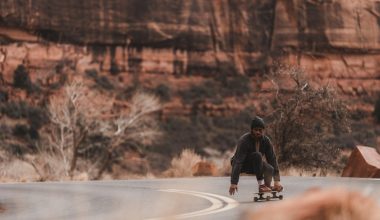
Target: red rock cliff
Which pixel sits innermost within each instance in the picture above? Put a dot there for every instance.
(335, 41)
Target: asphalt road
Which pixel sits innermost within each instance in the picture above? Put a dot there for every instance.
(182, 198)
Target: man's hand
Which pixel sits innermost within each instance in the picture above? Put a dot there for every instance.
(233, 189)
(277, 186)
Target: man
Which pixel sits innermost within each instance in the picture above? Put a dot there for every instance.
(248, 158)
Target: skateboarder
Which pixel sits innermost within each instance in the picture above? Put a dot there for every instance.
(248, 158)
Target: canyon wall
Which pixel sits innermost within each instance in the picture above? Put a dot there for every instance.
(183, 43)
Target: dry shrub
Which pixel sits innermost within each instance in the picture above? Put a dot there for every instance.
(328, 204)
(15, 170)
(79, 113)
(73, 113)
(305, 120)
(42, 166)
(181, 166)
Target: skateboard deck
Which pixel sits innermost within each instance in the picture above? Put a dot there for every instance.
(266, 196)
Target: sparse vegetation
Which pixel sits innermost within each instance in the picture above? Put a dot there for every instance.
(3, 96)
(305, 121)
(17, 110)
(163, 91)
(200, 132)
(114, 70)
(235, 86)
(21, 78)
(21, 130)
(216, 90)
(181, 165)
(207, 90)
(78, 114)
(102, 81)
(376, 112)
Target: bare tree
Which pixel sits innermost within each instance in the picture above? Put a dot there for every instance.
(305, 120)
(135, 124)
(79, 112)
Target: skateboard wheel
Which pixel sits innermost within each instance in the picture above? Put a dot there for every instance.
(280, 197)
(255, 199)
(268, 198)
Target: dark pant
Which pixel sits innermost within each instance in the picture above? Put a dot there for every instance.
(254, 162)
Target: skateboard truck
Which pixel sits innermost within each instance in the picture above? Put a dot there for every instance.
(267, 196)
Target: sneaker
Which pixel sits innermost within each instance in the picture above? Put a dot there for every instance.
(277, 188)
(264, 188)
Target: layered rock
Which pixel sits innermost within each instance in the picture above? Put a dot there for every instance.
(229, 34)
(327, 26)
(363, 162)
(336, 42)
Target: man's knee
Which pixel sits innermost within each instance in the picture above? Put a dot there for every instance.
(257, 156)
(268, 168)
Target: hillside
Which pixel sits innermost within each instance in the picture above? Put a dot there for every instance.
(208, 61)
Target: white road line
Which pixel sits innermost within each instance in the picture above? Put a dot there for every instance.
(217, 203)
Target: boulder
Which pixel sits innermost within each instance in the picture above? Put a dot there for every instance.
(363, 162)
(203, 168)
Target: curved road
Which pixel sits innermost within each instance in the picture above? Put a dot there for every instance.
(184, 198)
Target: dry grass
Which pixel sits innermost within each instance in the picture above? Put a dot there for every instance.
(36, 168)
(17, 171)
(328, 204)
(293, 171)
(181, 166)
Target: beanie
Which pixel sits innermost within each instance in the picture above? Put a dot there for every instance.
(257, 122)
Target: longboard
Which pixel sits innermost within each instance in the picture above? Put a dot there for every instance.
(266, 196)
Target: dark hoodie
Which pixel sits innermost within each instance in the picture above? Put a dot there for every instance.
(246, 145)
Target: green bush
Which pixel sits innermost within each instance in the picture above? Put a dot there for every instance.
(102, 81)
(33, 133)
(163, 91)
(21, 130)
(216, 90)
(5, 131)
(36, 116)
(16, 150)
(3, 96)
(207, 90)
(15, 110)
(21, 78)
(26, 132)
(114, 70)
(376, 112)
(92, 73)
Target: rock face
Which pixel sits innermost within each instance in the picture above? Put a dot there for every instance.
(175, 41)
(363, 162)
(229, 34)
(203, 169)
